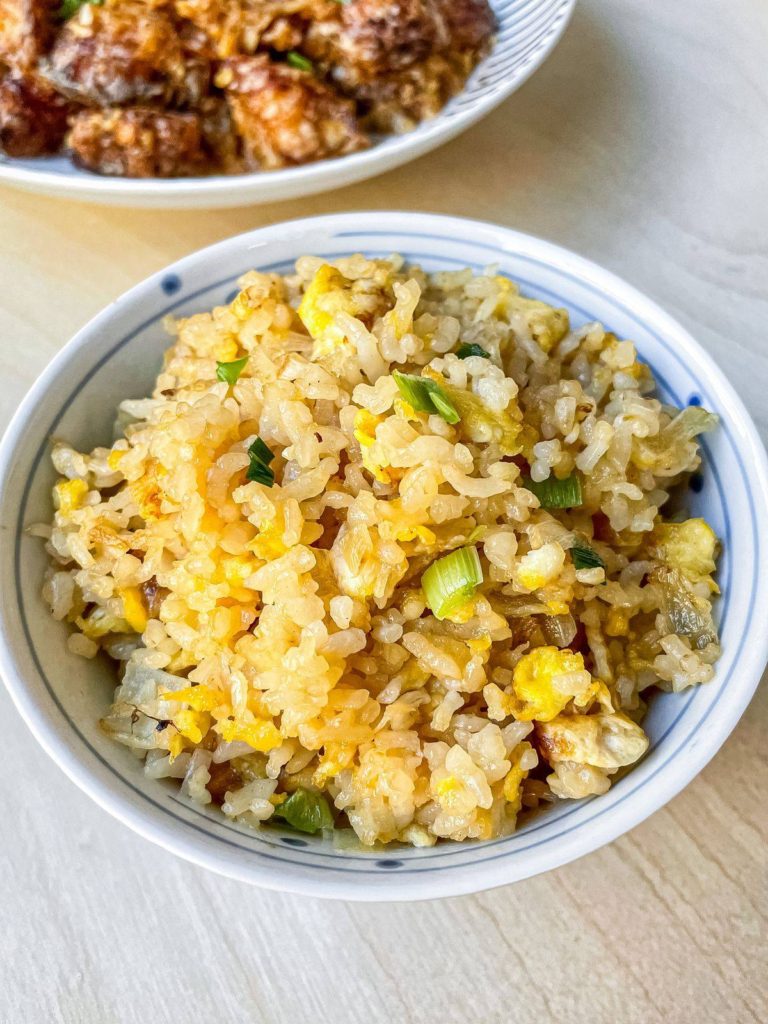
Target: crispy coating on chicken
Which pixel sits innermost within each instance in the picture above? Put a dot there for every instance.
(26, 29)
(398, 101)
(286, 116)
(376, 38)
(467, 24)
(125, 52)
(137, 143)
(240, 27)
(33, 116)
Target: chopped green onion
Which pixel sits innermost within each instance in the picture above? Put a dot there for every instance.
(306, 811)
(259, 470)
(465, 351)
(69, 8)
(477, 534)
(229, 373)
(299, 61)
(425, 395)
(452, 580)
(585, 557)
(554, 493)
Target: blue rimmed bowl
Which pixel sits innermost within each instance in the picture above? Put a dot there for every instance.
(118, 354)
(528, 31)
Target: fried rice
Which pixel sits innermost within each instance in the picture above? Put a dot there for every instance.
(385, 551)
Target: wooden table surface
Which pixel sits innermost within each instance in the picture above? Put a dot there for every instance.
(642, 143)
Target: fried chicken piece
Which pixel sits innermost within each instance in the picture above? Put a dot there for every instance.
(239, 27)
(397, 102)
(401, 60)
(285, 116)
(137, 143)
(376, 38)
(33, 117)
(26, 29)
(125, 52)
(467, 24)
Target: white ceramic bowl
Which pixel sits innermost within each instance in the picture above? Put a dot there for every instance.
(118, 354)
(528, 31)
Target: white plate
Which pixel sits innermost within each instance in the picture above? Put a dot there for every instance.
(528, 31)
(118, 354)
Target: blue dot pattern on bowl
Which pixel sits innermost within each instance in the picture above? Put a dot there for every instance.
(389, 864)
(290, 841)
(696, 483)
(694, 400)
(170, 284)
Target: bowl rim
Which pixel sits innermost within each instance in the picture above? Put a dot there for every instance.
(46, 727)
(305, 179)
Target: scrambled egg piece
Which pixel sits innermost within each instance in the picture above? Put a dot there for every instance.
(175, 745)
(689, 546)
(403, 525)
(404, 410)
(335, 758)
(237, 568)
(365, 427)
(558, 607)
(192, 725)
(616, 622)
(268, 544)
(200, 698)
(540, 567)
(545, 680)
(261, 734)
(115, 457)
(365, 424)
(134, 611)
(506, 288)
(478, 422)
(461, 614)
(547, 325)
(70, 495)
(327, 294)
(603, 741)
(513, 780)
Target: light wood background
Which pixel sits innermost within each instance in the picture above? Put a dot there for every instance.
(642, 143)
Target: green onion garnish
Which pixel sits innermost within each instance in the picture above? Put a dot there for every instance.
(425, 395)
(452, 580)
(306, 811)
(69, 8)
(585, 557)
(554, 493)
(229, 373)
(477, 534)
(299, 61)
(259, 470)
(465, 351)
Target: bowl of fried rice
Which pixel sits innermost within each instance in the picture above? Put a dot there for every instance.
(382, 556)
